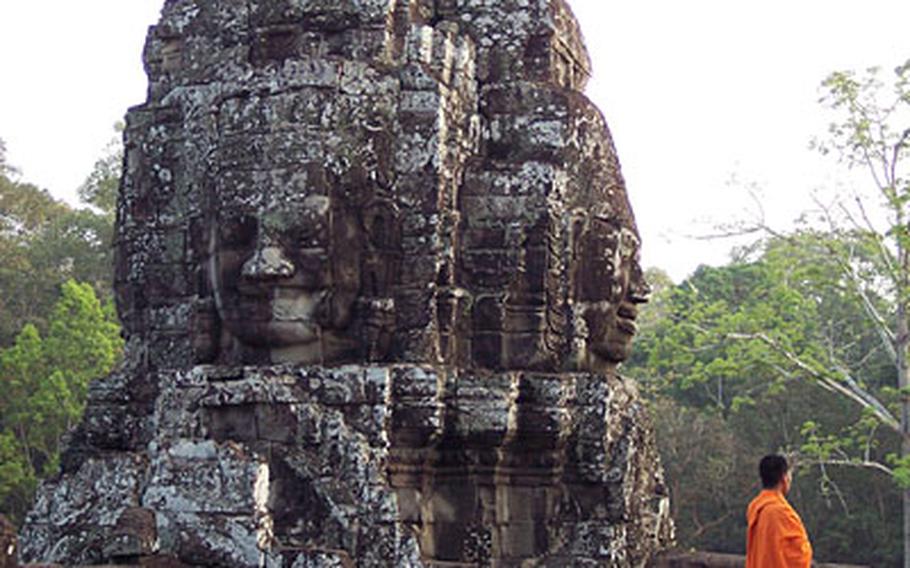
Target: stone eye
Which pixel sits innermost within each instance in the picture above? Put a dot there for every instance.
(309, 233)
(275, 44)
(238, 231)
(306, 238)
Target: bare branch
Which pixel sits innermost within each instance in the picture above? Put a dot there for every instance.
(850, 217)
(826, 479)
(867, 357)
(732, 230)
(886, 335)
(867, 452)
(866, 464)
(847, 386)
(884, 253)
(727, 233)
(895, 156)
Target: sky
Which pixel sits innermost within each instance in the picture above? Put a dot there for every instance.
(704, 98)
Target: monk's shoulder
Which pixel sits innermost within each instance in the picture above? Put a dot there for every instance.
(782, 513)
(777, 510)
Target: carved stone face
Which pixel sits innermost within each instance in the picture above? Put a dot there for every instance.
(610, 286)
(286, 276)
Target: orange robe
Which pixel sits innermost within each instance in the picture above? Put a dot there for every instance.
(776, 536)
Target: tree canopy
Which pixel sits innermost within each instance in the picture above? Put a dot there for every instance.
(720, 366)
(58, 331)
(43, 243)
(44, 384)
(800, 345)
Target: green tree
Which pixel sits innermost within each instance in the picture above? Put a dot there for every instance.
(853, 256)
(57, 334)
(22, 370)
(872, 132)
(741, 350)
(44, 385)
(17, 479)
(706, 468)
(43, 243)
(83, 342)
(101, 186)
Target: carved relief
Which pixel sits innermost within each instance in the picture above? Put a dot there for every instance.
(376, 267)
(608, 288)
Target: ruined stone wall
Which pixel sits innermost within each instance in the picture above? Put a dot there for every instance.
(376, 267)
(375, 466)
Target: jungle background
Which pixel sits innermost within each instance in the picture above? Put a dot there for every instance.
(797, 345)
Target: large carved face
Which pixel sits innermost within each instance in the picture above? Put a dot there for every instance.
(609, 287)
(285, 267)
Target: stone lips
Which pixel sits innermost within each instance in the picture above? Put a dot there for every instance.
(376, 266)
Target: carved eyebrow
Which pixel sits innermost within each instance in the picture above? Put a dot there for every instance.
(615, 225)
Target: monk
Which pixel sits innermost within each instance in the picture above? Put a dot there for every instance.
(776, 537)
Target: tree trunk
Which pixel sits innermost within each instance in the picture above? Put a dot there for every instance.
(905, 450)
(902, 341)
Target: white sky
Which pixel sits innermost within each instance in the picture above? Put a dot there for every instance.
(695, 92)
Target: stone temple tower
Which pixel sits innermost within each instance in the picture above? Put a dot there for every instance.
(376, 267)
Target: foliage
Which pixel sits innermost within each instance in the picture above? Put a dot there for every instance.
(43, 387)
(734, 363)
(56, 334)
(801, 344)
(43, 243)
(705, 467)
(101, 186)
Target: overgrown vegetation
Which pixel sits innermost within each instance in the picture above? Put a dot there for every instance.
(58, 329)
(800, 345)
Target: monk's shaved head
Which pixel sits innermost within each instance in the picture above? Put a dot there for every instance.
(772, 469)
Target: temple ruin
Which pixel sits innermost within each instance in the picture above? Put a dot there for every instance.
(376, 268)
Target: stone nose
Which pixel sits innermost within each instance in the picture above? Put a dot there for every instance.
(267, 263)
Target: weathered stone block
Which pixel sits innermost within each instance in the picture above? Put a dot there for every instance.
(376, 267)
(73, 517)
(134, 536)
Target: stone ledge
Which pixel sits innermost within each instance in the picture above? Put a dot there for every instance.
(676, 559)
